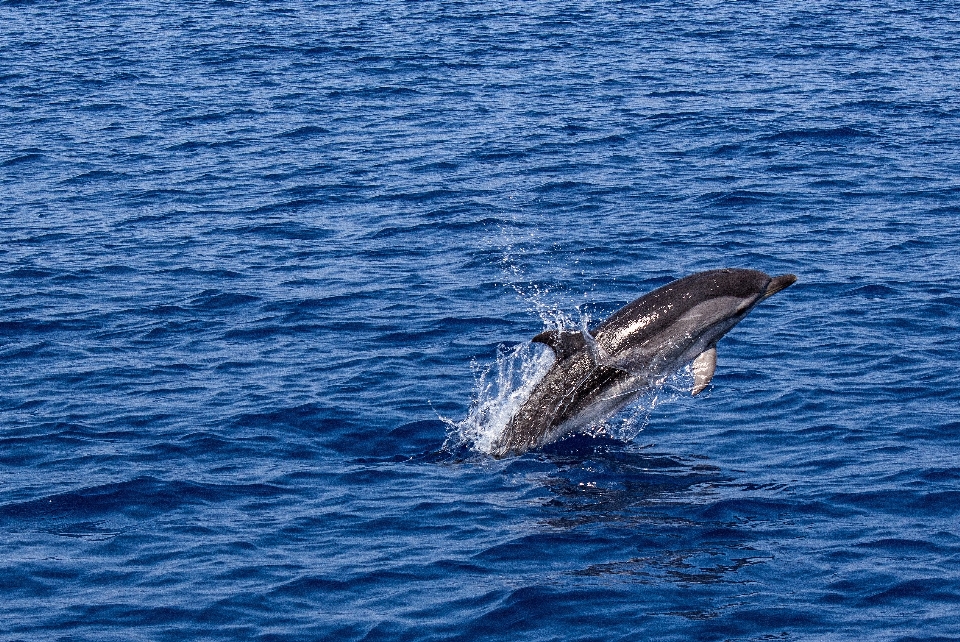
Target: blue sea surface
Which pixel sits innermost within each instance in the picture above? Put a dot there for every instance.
(261, 263)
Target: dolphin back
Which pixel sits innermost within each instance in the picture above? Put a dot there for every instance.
(654, 312)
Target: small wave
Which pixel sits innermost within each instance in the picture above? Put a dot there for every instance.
(828, 135)
(95, 175)
(306, 131)
(873, 291)
(738, 197)
(212, 299)
(28, 157)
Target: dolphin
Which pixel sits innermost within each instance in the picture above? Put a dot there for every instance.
(598, 372)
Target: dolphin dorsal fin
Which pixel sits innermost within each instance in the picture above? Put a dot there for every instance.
(563, 342)
(703, 367)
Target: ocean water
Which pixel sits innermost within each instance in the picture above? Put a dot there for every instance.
(269, 271)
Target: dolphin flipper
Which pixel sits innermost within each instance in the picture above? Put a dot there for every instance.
(563, 342)
(703, 367)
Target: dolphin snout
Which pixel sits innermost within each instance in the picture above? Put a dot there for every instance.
(778, 283)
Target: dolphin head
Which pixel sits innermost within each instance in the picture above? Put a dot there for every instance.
(778, 283)
(751, 286)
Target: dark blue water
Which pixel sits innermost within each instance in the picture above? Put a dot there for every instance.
(262, 263)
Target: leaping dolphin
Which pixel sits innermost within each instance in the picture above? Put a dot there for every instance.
(597, 373)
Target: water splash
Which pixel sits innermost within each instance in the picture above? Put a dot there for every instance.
(500, 390)
(548, 298)
(503, 386)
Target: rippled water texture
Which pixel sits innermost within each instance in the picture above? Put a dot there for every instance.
(257, 258)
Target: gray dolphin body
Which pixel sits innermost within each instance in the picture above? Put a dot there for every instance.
(597, 373)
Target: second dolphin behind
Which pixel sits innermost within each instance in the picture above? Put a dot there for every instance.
(597, 373)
